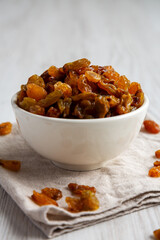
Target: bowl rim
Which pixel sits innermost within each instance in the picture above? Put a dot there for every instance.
(75, 121)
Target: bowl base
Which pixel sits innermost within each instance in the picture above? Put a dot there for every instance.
(79, 167)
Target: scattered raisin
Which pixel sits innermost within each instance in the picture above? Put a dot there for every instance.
(11, 165)
(151, 126)
(87, 201)
(77, 189)
(157, 154)
(157, 163)
(53, 193)
(5, 128)
(154, 172)
(41, 199)
(157, 234)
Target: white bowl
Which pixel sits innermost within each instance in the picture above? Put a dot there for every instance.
(77, 144)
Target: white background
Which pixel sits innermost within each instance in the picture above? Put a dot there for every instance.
(37, 34)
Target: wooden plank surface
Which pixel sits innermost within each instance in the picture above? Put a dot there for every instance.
(37, 34)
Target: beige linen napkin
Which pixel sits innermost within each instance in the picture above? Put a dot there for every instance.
(123, 186)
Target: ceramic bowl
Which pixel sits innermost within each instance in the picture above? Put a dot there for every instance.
(77, 144)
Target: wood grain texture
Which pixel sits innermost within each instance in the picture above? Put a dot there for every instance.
(36, 34)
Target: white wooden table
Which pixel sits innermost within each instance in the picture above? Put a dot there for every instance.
(37, 34)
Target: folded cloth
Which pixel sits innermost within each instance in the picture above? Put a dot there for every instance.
(123, 185)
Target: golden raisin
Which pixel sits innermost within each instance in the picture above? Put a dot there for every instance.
(157, 163)
(109, 88)
(41, 199)
(21, 95)
(110, 73)
(53, 193)
(11, 165)
(36, 109)
(151, 126)
(87, 201)
(51, 98)
(157, 234)
(154, 172)
(56, 73)
(27, 103)
(123, 83)
(134, 87)
(5, 128)
(83, 84)
(92, 76)
(76, 65)
(53, 71)
(36, 92)
(157, 154)
(53, 112)
(64, 87)
(101, 106)
(77, 189)
(36, 80)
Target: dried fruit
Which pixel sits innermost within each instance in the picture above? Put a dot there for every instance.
(53, 112)
(63, 87)
(87, 201)
(76, 65)
(36, 80)
(110, 73)
(84, 96)
(92, 76)
(11, 165)
(27, 103)
(57, 73)
(108, 87)
(151, 126)
(36, 109)
(134, 87)
(77, 189)
(83, 84)
(157, 234)
(51, 98)
(41, 199)
(101, 107)
(60, 92)
(36, 92)
(138, 99)
(64, 106)
(5, 128)
(53, 193)
(125, 103)
(122, 83)
(157, 154)
(157, 163)
(154, 172)
(20, 96)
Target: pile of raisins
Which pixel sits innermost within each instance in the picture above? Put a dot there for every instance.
(84, 200)
(79, 90)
